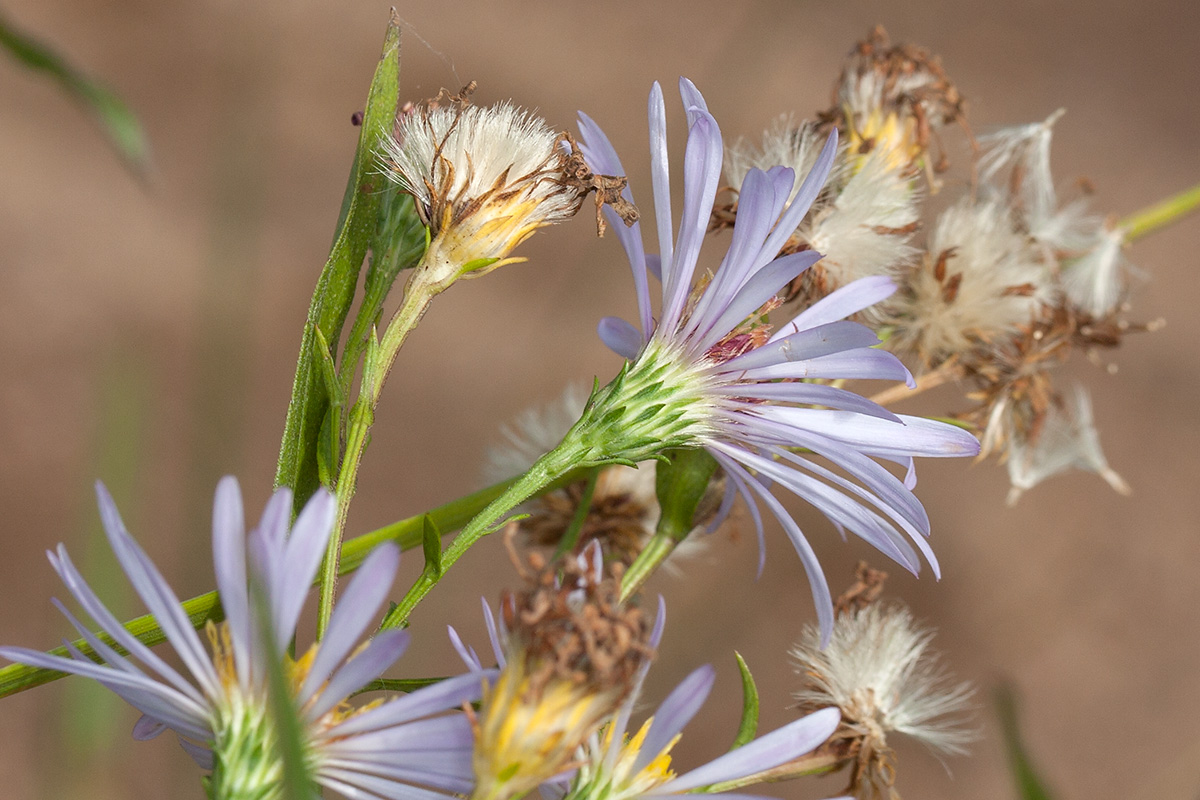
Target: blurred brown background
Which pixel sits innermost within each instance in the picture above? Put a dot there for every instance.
(150, 331)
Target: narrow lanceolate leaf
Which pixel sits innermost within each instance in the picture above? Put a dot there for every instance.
(334, 294)
(749, 726)
(1029, 784)
(118, 123)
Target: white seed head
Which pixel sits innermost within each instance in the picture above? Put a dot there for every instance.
(1021, 154)
(1067, 440)
(880, 670)
(1096, 281)
(981, 279)
(485, 176)
(867, 228)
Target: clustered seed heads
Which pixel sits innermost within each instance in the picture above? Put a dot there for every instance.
(996, 289)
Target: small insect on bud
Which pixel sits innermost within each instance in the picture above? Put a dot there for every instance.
(571, 657)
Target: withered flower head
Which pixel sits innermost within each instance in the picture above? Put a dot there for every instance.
(484, 178)
(879, 669)
(891, 99)
(571, 656)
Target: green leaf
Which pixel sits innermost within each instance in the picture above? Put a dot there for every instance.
(1030, 785)
(118, 123)
(749, 726)
(431, 542)
(331, 301)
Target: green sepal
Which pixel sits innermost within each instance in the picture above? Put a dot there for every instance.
(431, 542)
(749, 725)
(681, 485)
(297, 467)
(119, 124)
(477, 264)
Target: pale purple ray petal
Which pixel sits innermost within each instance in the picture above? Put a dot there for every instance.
(143, 693)
(345, 782)
(814, 181)
(602, 158)
(766, 752)
(660, 176)
(382, 651)
(691, 95)
(675, 713)
(840, 303)
(305, 549)
(157, 595)
(428, 774)
(654, 267)
(864, 363)
(465, 652)
(758, 207)
(777, 747)
(493, 636)
(761, 287)
(893, 495)
(822, 599)
(620, 337)
(898, 511)
(268, 541)
(839, 508)
(734, 474)
(352, 613)
(199, 753)
(147, 728)
(701, 179)
(833, 337)
(106, 653)
(112, 626)
(727, 498)
(408, 742)
(914, 436)
(450, 693)
(813, 394)
(229, 565)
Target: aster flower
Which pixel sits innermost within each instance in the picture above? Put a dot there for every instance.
(484, 179)
(221, 714)
(712, 373)
(569, 654)
(618, 765)
(879, 669)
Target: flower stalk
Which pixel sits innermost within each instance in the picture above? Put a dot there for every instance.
(1161, 214)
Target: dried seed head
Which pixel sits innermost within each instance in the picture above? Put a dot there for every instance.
(484, 178)
(572, 656)
(879, 669)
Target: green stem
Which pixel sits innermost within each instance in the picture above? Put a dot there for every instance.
(417, 296)
(656, 551)
(407, 533)
(1163, 213)
(570, 536)
(546, 472)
